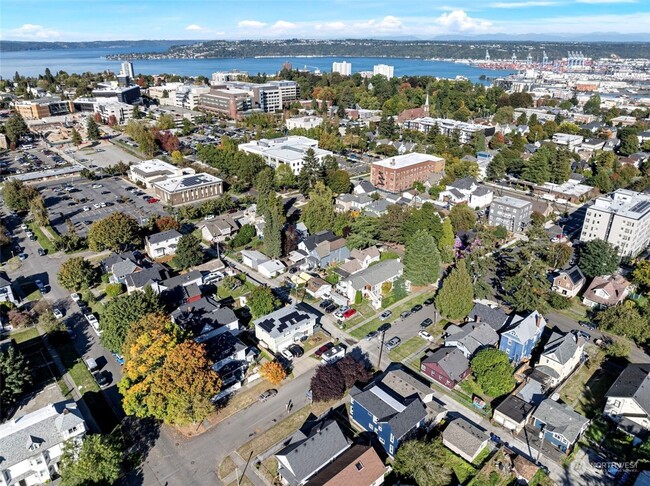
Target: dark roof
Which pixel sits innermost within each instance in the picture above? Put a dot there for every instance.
(146, 276)
(164, 236)
(203, 315)
(481, 191)
(345, 470)
(451, 360)
(312, 241)
(495, 318)
(278, 322)
(464, 183)
(222, 346)
(561, 419)
(574, 273)
(634, 383)
(310, 449)
(366, 185)
(515, 408)
(183, 279)
(4, 280)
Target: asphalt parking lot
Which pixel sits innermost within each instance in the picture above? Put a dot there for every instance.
(105, 154)
(32, 160)
(63, 205)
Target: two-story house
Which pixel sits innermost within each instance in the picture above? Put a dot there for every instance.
(521, 335)
(561, 354)
(6, 292)
(152, 276)
(118, 266)
(568, 282)
(358, 260)
(390, 415)
(447, 365)
(369, 282)
(493, 316)
(471, 338)
(323, 249)
(360, 465)
(607, 291)
(285, 326)
(467, 191)
(628, 400)
(219, 229)
(162, 244)
(312, 448)
(31, 445)
(561, 425)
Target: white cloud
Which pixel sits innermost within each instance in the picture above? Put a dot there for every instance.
(459, 21)
(284, 25)
(390, 23)
(32, 31)
(522, 4)
(331, 26)
(251, 24)
(194, 27)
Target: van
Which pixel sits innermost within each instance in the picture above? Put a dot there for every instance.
(91, 364)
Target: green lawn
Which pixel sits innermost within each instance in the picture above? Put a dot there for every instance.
(76, 367)
(404, 350)
(26, 335)
(243, 289)
(577, 311)
(585, 390)
(464, 470)
(43, 240)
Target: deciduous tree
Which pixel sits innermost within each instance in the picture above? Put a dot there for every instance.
(421, 259)
(339, 182)
(641, 274)
(77, 274)
(261, 301)
(273, 372)
(164, 223)
(188, 252)
(318, 214)
(455, 297)
(39, 211)
(624, 320)
(493, 372)
(423, 462)
(327, 383)
(96, 460)
(463, 218)
(17, 195)
(446, 241)
(115, 232)
(558, 255)
(598, 258)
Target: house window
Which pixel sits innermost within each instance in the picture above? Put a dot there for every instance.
(374, 419)
(617, 403)
(392, 450)
(382, 440)
(359, 466)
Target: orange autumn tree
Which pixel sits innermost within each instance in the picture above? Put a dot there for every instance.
(165, 376)
(273, 371)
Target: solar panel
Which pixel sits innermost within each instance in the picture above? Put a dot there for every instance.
(575, 275)
(267, 325)
(640, 206)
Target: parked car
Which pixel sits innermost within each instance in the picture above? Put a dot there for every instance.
(22, 256)
(97, 186)
(91, 364)
(101, 378)
(75, 297)
(86, 208)
(589, 325)
(393, 343)
(429, 301)
(324, 304)
(416, 308)
(425, 335)
(426, 323)
(405, 314)
(324, 348)
(585, 335)
(287, 354)
(268, 394)
(349, 313)
(296, 350)
(119, 358)
(384, 327)
(152, 200)
(371, 335)
(331, 308)
(57, 313)
(41, 252)
(39, 284)
(385, 315)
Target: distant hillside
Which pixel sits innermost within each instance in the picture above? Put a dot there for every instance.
(14, 46)
(457, 49)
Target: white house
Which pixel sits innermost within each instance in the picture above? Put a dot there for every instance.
(6, 292)
(370, 281)
(560, 357)
(271, 269)
(628, 399)
(289, 150)
(468, 191)
(31, 445)
(305, 122)
(285, 326)
(253, 258)
(162, 244)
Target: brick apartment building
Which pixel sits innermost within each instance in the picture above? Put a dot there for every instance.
(399, 173)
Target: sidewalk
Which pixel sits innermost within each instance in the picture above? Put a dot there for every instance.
(251, 473)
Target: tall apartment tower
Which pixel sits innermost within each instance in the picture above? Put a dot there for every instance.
(621, 218)
(384, 70)
(127, 69)
(343, 68)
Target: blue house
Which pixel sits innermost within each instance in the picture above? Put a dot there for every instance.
(324, 248)
(381, 409)
(560, 424)
(521, 335)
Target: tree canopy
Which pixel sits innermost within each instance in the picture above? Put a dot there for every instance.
(463, 218)
(188, 252)
(598, 258)
(14, 376)
(115, 232)
(261, 301)
(624, 320)
(318, 214)
(77, 274)
(424, 462)
(96, 460)
(493, 372)
(455, 297)
(421, 259)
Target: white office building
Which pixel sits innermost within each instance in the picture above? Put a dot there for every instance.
(306, 122)
(621, 218)
(384, 70)
(343, 68)
(290, 150)
(31, 446)
(448, 127)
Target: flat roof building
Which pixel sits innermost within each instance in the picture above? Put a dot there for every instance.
(43, 107)
(510, 212)
(621, 218)
(187, 188)
(290, 150)
(399, 173)
(149, 171)
(449, 127)
(343, 68)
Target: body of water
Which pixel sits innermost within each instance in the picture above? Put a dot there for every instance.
(33, 63)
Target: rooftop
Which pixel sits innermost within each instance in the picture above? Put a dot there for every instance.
(183, 182)
(285, 319)
(154, 166)
(464, 435)
(560, 419)
(401, 161)
(634, 383)
(511, 201)
(623, 202)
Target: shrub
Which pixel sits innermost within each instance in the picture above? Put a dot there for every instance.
(114, 289)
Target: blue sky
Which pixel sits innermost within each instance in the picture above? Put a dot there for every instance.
(77, 20)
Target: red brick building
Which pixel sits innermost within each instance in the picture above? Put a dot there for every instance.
(397, 174)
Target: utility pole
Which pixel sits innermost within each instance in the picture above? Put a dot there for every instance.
(243, 473)
(381, 349)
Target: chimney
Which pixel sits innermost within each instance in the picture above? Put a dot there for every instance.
(477, 318)
(538, 320)
(66, 411)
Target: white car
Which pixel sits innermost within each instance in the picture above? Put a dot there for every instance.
(29, 234)
(97, 186)
(23, 226)
(86, 208)
(97, 205)
(75, 297)
(57, 313)
(425, 335)
(287, 354)
(102, 205)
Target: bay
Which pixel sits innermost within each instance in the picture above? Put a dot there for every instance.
(33, 63)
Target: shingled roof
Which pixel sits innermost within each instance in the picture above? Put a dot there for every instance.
(633, 383)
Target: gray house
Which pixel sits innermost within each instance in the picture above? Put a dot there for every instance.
(472, 337)
(309, 450)
(464, 438)
(493, 316)
(510, 212)
(560, 424)
(324, 248)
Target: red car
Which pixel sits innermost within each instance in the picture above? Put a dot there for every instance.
(152, 200)
(323, 349)
(349, 313)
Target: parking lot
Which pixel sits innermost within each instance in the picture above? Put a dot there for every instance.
(32, 160)
(102, 155)
(87, 203)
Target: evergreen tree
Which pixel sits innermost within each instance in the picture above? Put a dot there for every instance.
(274, 219)
(318, 214)
(363, 233)
(421, 259)
(14, 376)
(455, 298)
(425, 218)
(598, 258)
(386, 127)
(264, 182)
(92, 129)
(446, 241)
(496, 169)
(188, 252)
(537, 168)
(76, 138)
